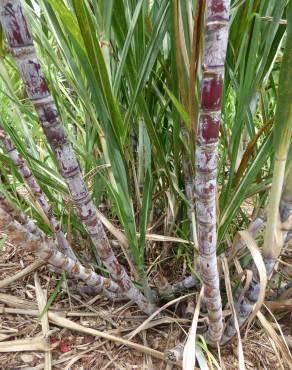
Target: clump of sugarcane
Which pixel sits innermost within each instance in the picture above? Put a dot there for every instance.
(282, 140)
(213, 61)
(176, 353)
(37, 192)
(278, 227)
(279, 209)
(24, 233)
(22, 49)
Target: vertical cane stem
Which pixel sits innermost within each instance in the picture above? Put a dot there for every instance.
(282, 140)
(213, 60)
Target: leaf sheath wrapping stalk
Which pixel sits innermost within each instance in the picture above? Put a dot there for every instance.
(24, 233)
(286, 201)
(37, 192)
(213, 60)
(22, 49)
(282, 141)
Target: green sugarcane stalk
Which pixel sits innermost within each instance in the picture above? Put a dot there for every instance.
(213, 61)
(245, 300)
(280, 203)
(286, 201)
(37, 192)
(282, 139)
(22, 48)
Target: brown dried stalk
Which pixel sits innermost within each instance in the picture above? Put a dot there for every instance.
(22, 49)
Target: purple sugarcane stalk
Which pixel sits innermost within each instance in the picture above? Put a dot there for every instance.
(20, 217)
(213, 60)
(22, 48)
(32, 183)
(23, 232)
(165, 289)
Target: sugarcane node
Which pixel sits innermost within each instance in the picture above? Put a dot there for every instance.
(161, 281)
(89, 217)
(106, 283)
(62, 261)
(5, 219)
(124, 284)
(15, 236)
(20, 53)
(51, 116)
(75, 269)
(55, 135)
(32, 245)
(49, 253)
(116, 268)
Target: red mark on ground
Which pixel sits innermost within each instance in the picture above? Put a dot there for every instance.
(64, 348)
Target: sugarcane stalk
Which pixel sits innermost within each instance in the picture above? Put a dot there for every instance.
(244, 303)
(22, 48)
(20, 217)
(213, 60)
(37, 192)
(280, 203)
(286, 203)
(24, 233)
(166, 290)
(282, 140)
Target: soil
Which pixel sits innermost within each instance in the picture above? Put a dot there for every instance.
(75, 350)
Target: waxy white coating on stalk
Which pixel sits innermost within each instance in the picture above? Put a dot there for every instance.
(18, 216)
(21, 45)
(34, 240)
(206, 157)
(37, 192)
